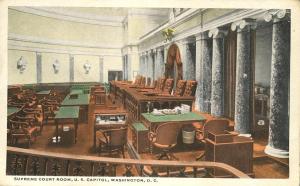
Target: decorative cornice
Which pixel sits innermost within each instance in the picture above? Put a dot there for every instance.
(220, 21)
(115, 21)
(31, 39)
(178, 20)
(59, 51)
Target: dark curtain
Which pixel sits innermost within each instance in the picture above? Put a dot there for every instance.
(173, 58)
(230, 73)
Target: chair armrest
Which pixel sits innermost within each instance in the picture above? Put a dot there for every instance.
(152, 136)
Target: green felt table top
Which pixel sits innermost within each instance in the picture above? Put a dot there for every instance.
(139, 127)
(67, 113)
(83, 99)
(191, 116)
(12, 110)
(44, 92)
(76, 91)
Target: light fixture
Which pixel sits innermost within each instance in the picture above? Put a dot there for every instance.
(87, 67)
(56, 66)
(21, 64)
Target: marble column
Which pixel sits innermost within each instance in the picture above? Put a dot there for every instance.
(150, 65)
(187, 59)
(38, 67)
(101, 69)
(71, 67)
(243, 76)
(217, 89)
(144, 65)
(159, 63)
(278, 143)
(203, 72)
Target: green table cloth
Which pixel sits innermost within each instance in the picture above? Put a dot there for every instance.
(139, 127)
(178, 117)
(82, 99)
(43, 92)
(67, 112)
(12, 110)
(76, 91)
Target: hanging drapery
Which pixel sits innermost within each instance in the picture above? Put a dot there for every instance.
(172, 58)
(230, 72)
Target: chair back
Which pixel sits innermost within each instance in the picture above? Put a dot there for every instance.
(167, 133)
(190, 88)
(143, 81)
(168, 86)
(180, 88)
(118, 137)
(161, 84)
(154, 84)
(148, 81)
(215, 126)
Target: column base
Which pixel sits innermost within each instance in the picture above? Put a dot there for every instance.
(278, 153)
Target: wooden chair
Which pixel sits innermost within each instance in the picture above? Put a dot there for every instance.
(21, 129)
(143, 82)
(190, 88)
(180, 86)
(112, 140)
(148, 82)
(215, 126)
(33, 115)
(168, 87)
(165, 138)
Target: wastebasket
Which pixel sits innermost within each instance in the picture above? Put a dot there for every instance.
(188, 134)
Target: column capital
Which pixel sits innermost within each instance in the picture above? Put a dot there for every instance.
(200, 36)
(244, 23)
(217, 33)
(159, 49)
(276, 15)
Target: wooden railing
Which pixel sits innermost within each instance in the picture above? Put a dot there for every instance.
(33, 162)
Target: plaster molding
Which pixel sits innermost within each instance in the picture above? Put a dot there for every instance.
(59, 51)
(31, 39)
(115, 21)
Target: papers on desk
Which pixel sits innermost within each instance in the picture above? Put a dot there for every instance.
(177, 110)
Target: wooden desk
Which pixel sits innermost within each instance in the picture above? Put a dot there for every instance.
(152, 121)
(109, 120)
(83, 101)
(236, 151)
(65, 114)
(135, 101)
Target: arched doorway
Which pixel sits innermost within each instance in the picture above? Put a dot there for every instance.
(173, 66)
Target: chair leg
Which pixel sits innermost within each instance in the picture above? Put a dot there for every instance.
(200, 156)
(123, 153)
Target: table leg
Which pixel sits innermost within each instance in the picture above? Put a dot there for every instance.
(56, 129)
(76, 126)
(94, 143)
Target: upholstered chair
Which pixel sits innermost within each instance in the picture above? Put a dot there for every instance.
(180, 86)
(190, 88)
